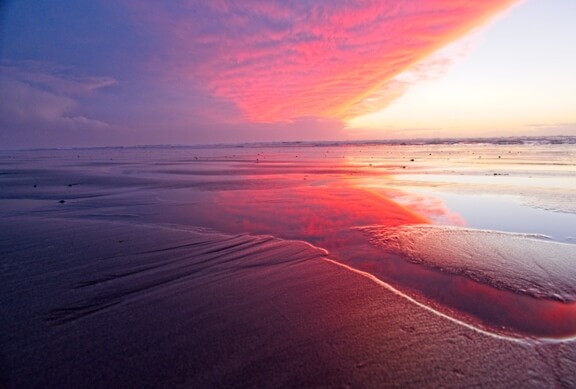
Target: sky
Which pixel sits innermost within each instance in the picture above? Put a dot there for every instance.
(135, 72)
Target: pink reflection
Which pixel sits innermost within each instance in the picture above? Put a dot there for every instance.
(476, 303)
(314, 214)
(326, 215)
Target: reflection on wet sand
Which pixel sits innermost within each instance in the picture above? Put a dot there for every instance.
(110, 268)
(325, 217)
(318, 196)
(479, 304)
(310, 213)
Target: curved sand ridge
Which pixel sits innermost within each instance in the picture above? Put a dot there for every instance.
(149, 306)
(525, 264)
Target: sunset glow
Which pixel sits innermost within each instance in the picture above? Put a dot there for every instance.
(197, 72)
(281, 61)
(287, 193)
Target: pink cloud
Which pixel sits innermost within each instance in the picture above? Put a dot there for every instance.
(282, 60)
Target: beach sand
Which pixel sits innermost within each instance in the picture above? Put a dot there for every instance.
(292, 266)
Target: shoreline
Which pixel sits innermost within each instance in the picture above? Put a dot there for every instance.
(213, 267)
(306, 300)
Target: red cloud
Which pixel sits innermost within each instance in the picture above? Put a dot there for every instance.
(278, 60)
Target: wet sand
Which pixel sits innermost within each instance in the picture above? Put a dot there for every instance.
(243, 267)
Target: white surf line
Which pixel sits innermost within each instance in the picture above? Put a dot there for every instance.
(522, 340)
(323, 256)
(325, 253)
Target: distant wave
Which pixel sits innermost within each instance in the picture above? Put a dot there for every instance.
(523, 140)
(520, 140)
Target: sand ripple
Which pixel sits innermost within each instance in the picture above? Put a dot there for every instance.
(526, 264)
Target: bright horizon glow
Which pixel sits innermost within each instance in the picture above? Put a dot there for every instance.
(505, 85)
